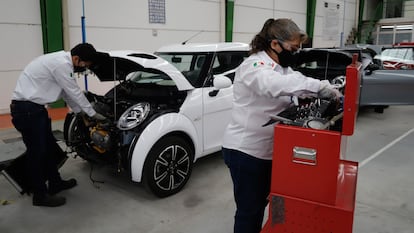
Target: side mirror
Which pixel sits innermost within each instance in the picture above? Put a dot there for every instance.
(220, 82)
(371, 67)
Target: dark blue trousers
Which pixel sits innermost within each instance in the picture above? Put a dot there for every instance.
(33, 122)
(251, 185)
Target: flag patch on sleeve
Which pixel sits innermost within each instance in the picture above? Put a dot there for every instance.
(259, 63)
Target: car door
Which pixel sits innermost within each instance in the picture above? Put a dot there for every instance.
(217, 104)
(387, 87)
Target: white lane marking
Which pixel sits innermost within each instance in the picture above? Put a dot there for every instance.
(376, 154)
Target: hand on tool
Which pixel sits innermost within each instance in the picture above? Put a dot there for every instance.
(99, 117)
(327, 91)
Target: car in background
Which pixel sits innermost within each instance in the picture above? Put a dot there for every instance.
(166, 110)
(398, 57)
(379, 87)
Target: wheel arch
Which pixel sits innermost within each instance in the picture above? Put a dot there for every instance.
(183, 135)
(171, 124)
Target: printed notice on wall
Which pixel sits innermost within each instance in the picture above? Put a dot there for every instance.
(156, 11)
(331, 21)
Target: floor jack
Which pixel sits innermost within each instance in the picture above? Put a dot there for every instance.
(313, 187)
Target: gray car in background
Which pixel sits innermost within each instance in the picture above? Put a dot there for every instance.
(379, 87)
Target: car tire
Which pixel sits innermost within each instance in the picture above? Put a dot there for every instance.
(74, 130)
(380, 109)
(168, 166)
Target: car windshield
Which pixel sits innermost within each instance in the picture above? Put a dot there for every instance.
(150, 77)
(189, 64)
(398, 53)
(397, 58)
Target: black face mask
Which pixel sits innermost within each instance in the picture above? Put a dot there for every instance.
(286, 58)
(79, 69)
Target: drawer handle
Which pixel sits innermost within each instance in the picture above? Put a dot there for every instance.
(304, 155)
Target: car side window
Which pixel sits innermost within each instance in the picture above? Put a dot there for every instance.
(223, 63)
(193, 74)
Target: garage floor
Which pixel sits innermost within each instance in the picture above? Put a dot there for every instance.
(382, 144)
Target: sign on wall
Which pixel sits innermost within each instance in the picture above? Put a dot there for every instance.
(331, 21)
(156, 11)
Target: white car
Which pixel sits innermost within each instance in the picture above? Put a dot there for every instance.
(167, 110)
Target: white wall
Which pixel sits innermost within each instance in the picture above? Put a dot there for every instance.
(347, 20)
(125, 24)
(249, 16)
(111, 25)
(409, 9)
(21, 41)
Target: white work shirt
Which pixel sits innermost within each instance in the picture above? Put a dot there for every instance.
(49, 78)
(262, 88)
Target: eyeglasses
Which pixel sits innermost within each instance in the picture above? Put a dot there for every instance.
(289, 47)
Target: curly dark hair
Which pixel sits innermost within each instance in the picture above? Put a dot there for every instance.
(281, 29)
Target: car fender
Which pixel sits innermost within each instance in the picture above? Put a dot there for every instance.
(161, 126)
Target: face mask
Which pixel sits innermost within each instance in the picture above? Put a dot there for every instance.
(79, 69)
(286, 58)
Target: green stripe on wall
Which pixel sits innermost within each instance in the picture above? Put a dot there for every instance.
(229, 20)
(360, 18)
(52, 31)
(310, 18)
(52, 28)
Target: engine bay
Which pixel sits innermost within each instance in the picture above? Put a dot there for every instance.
(106, 141)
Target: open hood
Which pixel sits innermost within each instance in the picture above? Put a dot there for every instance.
(116, 65)
(322, 63)
(321, 56)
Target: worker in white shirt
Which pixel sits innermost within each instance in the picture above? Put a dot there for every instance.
(45, 80)
(263, 86)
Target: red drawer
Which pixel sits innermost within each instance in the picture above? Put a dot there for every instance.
(305, 163)
(297, 215)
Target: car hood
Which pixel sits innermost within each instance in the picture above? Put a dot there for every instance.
(116, 65)
(322, 55)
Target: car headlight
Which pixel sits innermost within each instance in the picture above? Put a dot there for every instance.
(133, 116)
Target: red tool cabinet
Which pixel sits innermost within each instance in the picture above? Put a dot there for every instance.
(313, 188)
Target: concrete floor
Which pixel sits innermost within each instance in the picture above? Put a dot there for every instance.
(382, 144)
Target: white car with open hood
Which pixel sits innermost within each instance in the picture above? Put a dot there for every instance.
(166, 110)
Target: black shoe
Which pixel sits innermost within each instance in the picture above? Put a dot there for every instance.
(61, 185)
(47, 200)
